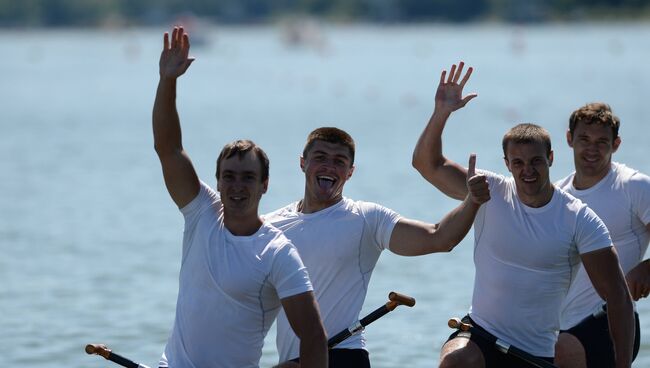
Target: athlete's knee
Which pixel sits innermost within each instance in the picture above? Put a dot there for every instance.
(461, 354)
(459, 359)
(569, 352)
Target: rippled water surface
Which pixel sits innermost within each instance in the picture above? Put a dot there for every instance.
(90, 241)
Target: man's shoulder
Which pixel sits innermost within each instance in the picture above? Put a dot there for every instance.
(273, 237)
(364, 208)
(567, 198)
(281, 213)
(566, 182)
(629, 174)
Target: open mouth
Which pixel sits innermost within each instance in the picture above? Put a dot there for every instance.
(238, 198)
(529, 180)
(325, 182)
(590, 159)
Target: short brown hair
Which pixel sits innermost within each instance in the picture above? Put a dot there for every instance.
(330, 135)
(595, 113)
(527, 133)
(240, 148)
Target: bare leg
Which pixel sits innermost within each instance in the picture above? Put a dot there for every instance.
(461, 352)
(569, 352)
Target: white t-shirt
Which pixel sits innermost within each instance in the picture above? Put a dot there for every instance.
(622, 200)
(229, 289)
(340, 246)
(525, 258)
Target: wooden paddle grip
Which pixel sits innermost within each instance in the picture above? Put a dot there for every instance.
(99, 349)
(399, 299)
(458, 324)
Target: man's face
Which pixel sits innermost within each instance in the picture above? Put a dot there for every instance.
(240, 184)
(327, 166)
(593, 146)
(529, 166)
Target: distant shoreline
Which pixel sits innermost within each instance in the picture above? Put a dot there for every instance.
(613, 22)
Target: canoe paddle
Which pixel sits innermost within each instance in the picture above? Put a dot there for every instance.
(394, 300)
(102, 350)
(500, 345)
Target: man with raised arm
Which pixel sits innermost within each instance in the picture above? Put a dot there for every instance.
(620, 196)
(236, 270)
(529, 240)
(340, 240)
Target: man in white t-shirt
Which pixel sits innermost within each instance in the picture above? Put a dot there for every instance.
(236, 270)
(529, 239)
(621, 197)
(340, 240)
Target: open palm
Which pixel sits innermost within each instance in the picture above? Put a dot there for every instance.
(174, 59)
(449, 95)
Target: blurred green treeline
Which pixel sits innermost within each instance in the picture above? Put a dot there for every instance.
(90, 13)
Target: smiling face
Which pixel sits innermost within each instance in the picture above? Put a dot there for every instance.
(327, 166)
(593, 146)
(529, 164)
(241, 185)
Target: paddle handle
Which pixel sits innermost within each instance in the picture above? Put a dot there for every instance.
(394, 299)
(103, 351)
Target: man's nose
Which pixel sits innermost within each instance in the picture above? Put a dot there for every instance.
(528, 168)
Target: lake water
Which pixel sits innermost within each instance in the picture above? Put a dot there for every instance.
(90, 240)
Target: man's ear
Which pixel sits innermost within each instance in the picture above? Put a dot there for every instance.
(616, 144)
(505, 161)
(569, 138)
(550, 159)
(265, 186)
(350, 173)
(302, 164)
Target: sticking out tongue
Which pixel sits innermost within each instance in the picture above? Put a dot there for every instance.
(325, 183)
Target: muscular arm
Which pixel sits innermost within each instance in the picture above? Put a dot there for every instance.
(428, 159)
(304, 318)
(179, 174)
(414, 238)
(638, 279)
(606, 275)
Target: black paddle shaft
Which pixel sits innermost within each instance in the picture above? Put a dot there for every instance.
(365, 321)
(124, 362)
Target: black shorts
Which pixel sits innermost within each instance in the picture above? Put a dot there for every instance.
(347, 358)
(492, 356)
(593, 333)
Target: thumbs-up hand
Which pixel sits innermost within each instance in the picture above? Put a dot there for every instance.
(477, 184)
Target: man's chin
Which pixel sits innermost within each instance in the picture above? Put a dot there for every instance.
(327, 195)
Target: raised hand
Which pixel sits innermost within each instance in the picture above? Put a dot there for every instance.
(175, 59)
(449, 95)
(638, 281)
(477, 184)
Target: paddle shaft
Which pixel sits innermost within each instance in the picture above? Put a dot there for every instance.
(500, 345)
(357, 327)
(395, 299)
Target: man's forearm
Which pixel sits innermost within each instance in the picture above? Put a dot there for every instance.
(166, 123)
(313, 352)
(455, 225)
(428, 150)
(429, 161)
(620, 314)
